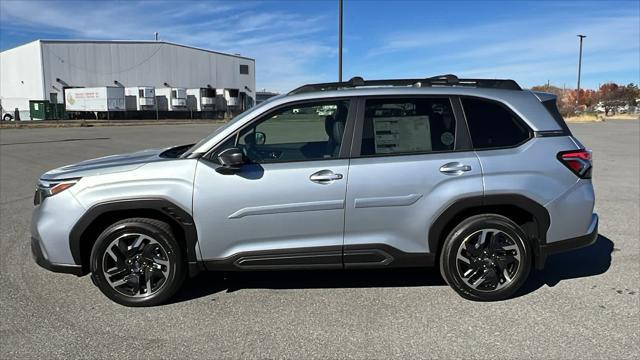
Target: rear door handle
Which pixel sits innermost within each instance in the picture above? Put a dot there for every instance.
(324, 177)
(454, 168)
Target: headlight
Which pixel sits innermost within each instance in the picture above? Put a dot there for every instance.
(50, 188)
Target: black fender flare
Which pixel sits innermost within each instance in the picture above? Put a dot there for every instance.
(540, 215)
(178, 215)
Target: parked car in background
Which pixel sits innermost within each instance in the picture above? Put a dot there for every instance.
(6, 115)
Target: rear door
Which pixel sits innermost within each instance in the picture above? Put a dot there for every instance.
(411, 158)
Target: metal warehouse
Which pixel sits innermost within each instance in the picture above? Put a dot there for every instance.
(45, 69)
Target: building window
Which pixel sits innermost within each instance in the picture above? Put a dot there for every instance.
(244, 69)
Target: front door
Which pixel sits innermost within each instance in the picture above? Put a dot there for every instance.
(284, 208)
(409, 164)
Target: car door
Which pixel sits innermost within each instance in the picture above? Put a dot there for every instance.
(411, 158)
(285, 207)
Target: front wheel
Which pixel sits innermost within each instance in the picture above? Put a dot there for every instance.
(486, 258)
(137, 262)
(7, 117)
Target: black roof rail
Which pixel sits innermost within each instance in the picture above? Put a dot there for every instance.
(440, 80)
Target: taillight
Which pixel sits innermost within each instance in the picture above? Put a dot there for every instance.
(578, 161)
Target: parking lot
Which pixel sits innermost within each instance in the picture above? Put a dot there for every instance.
(585, 304)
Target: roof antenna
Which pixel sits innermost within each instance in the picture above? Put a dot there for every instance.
(156, 33)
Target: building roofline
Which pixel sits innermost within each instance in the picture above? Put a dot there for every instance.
(62, 41)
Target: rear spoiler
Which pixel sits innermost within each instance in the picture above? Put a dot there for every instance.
(550, 103)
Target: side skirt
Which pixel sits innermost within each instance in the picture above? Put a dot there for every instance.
(323, 258)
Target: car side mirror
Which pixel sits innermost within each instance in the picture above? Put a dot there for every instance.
(231, 159)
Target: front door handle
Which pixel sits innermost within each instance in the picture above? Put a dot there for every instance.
(454, 168)
(324, 177)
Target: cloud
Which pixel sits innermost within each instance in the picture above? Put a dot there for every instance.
(530, 51)
(282, 42)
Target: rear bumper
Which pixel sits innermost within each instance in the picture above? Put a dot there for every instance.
(544, 250)
(40, 259)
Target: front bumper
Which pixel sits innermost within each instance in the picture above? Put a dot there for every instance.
(544, 250)
(41, 259)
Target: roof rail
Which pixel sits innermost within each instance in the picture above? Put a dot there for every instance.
(440, 80)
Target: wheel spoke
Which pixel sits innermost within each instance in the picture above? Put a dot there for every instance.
(489, 275)
(116, 271)
(161, 262)
(112, 254)
(510, 247)
(122, 246)
(504, 260)
(463, 259)
(147, 276)
(138, 242)
(472, 249)
(117, 283)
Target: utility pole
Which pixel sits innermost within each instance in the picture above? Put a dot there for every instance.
(579, 68)
(340, 42)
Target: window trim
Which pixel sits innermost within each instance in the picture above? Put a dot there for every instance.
(530, 132)
(240, 69)
(462, 142)
(345, 146)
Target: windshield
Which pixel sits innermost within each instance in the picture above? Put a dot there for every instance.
(229, 123)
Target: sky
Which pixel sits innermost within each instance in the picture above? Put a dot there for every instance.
(295, 42)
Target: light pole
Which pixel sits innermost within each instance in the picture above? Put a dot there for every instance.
(340, 42)
(579, 69)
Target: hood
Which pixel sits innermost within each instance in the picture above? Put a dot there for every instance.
(114, 163)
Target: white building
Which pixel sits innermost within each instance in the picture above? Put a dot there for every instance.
(42, 69)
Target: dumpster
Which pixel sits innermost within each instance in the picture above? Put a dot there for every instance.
(44, 110)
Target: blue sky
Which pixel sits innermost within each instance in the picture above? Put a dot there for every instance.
(295, 42)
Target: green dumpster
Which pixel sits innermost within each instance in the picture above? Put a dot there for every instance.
(44, 110)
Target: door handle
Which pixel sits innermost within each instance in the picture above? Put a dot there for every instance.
(324, 177)
(454, 168)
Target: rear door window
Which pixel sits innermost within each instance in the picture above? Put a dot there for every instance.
(492, 125)
(407, 126)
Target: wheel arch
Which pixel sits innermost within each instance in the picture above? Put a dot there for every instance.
(100, 216)
(529, 214)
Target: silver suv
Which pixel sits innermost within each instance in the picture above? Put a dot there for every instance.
(478, 176)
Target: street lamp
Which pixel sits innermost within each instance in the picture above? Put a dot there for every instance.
(579, 68)
(340, 42)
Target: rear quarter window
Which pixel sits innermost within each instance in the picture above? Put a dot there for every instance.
(552, 108)
(492, 125)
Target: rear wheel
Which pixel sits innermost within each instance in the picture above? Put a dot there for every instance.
(486, 258)
(7, 117)
(137, 262)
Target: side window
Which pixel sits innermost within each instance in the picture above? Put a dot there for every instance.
(405, 126)
(244, 69)
(297, 133)
(492, 125)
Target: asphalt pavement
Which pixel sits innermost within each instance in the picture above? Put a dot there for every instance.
(585, 304)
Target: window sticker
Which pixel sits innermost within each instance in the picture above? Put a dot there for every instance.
(402, 134)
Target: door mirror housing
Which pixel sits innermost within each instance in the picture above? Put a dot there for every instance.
(231, 159)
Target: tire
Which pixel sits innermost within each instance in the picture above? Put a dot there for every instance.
(486, 258)
(7, 117)
(138, 262)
